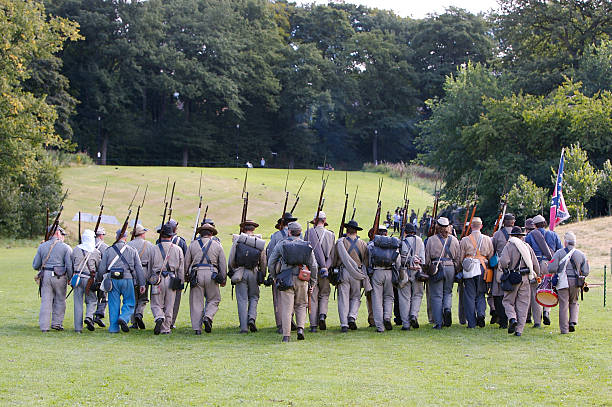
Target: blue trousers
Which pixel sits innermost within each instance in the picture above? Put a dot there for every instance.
(121, 288)
(474, 303)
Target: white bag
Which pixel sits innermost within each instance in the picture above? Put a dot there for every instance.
(471, 267)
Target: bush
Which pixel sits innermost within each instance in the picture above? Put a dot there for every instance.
(420, 176)
(63, 158)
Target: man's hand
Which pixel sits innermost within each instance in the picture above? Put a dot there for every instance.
(142, 289)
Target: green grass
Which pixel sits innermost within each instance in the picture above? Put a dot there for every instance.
(453, 367)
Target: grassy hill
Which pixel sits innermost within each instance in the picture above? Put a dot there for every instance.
(221, 190)
(593, 237)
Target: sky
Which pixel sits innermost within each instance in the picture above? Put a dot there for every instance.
(419, 8)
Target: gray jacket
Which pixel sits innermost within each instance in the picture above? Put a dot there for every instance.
(59, 257)
(276, 262)
(133, 269)
(578, 259)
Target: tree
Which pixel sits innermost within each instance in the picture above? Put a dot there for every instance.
(525, 198)
(580, 180)
(595, 68)
(605, 186)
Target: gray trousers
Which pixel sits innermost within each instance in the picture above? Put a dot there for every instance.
(474, 303)
(206, 290)
(91, 300)
(293, 300)
(410, 298)
(319, 300)
(516, 302)
(536, 309)
(276, 303)
(461, 303)
(441, 293)
(568, 302)
(382, 297)
(162, 303)
(141, 302)
(52, 301)
(247, 297)
(349, 298)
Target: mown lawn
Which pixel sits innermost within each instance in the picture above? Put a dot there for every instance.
(453, 367)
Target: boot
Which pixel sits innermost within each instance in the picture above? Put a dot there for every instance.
(322, 325)
(158, 324)
(512, 323)
(300, 334)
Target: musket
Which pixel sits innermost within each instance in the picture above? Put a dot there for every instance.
(127, 218)
(374, 230)
(80, 240)
(406, 203)
(55, 223)
(354, 198)
(205, 212)
(101, 209)
(286, 195)
(321, 201)
(467, 209)
(346, 197)
(195, 227)
(469, 227)
(434, 212)
(138, 213)
(47, 223)
(245, 201)
(502, 209)
(170, 206)
(297, 196)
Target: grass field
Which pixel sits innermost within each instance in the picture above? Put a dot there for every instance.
(453, 367)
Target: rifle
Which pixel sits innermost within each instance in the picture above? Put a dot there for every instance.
(245, 201)
(297, 196)
(138, 213)
(502, 213)
(286, 195)
(346, 197)
(205, 213)
(374, 231)
(55, 223)
(170, 207)
(321, 201)
(467, 209)
(47, 223)
(434, 212)
(127, 218)
(354, 198)
(80, 241)
(406, 203)
(468, 228)
(101, 209)
(197, 221)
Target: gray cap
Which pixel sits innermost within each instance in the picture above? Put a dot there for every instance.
(442, 221)
(570, 237)
(529, 224)
(100, 231)
(57, 229)
(539, 219)
(118, 234)
(295, 226)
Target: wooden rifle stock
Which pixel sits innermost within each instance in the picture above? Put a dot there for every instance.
(341, 232)
(500, 217)
(170, 207)
(125, 225)
(135, 223)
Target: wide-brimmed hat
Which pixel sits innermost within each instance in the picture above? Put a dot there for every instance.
(167, 230)
(288, 217)
(517, 231)
(139, 230)
(173, 223)
(209, 221)
(118, 234)
(352, 224)
(249, 223)
(476, 221)
(509, 216)
(208, 227)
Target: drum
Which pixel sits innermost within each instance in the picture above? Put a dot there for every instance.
(546, 294)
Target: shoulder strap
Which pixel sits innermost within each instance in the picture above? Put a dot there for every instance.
(42, 265)
(353, 246)
(205, 251)
(164, 256)
(476, 245)
(505, 233)
(541, 242)
(144, 246)
(119, 256)
(283, 233)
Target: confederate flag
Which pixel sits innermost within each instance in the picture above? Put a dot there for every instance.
(558, 210)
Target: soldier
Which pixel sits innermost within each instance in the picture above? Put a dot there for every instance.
(478, 247)
(85, 259)
(383, 262)
(517, 259)
(410, 285)
(500, 239)
(544, 244)
(573, 263)
(207, 267)
(166, 277)
(246, 267)
(442, 260)
(322, 242)
(286, 266)
(145, 252)
(119, 266)
(52, 260)
(382, 231)
(180, 242)
(276, 237)
(102, 296)
(529, 226)
(351, 256)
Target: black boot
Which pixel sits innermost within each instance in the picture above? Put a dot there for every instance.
(286, 338)
(352, 325)
(494, 317)
(252, 326)
(139, 322)
(158, 324)
(300, 334)
(207, 325)
(322, 325)
(480, 321)
(388, 325)
(414, 322)
(98, 321)
(512, 325)
(90, 325)
(124, 326)
(447, 317)
(293, 326)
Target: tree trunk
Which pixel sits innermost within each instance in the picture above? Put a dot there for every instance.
(375, 149)
(104, 149)
(185, 156)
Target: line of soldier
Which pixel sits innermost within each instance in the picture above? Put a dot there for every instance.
(393, 273)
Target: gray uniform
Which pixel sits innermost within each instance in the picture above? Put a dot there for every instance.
(247, 286)
(322, 241)
(474, 289)
(410, 290)
(441, 291)
(85, 269)
(382, 290)
(349, 288)
(294, 299)
(206, 288)
(53, 261)
(568, 297)
(102, 296)
(162, 269)
(499, 239)
(180, 242)
(274, 239)
(133, 268)
(144, 249)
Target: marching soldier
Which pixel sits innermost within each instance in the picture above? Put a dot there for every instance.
(207, 267)
(145, 252)
(576, 267)
(479, 249)
(544, 244)
(180, 242)
(286, 266)
(382, 231)
(383, 261)
(166, 277)
(351, 256)
(119, 266)
(52, 260)
(246, 266)
(85, 259)
(517, 259)
(322, 242)
(410, 286)
(500, 239)
(102, 296)
(442, 260)
(281, 234)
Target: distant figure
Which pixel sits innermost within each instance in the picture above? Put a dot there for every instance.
(262, 162)
(249, 165)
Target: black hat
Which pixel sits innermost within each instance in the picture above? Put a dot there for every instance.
(288, 217)
(409, 228)
(517, 231)
(352, 224)
(209, 221)
(167, 230)
(508, 217)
